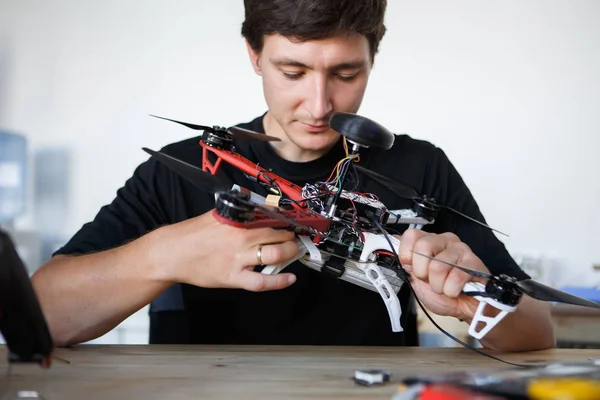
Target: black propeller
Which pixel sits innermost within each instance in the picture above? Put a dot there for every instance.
(529, 287)
(248, 135)
(195, 175)
(234, 132)
(400, 189)
(409, 193)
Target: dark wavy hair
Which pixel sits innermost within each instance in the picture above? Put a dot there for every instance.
(314, 19)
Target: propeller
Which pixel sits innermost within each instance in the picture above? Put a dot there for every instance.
(248, 135)
(192, 173)
(531, 288)
(409, 193)
(234, 132)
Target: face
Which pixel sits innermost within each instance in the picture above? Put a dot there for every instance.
(304, 83)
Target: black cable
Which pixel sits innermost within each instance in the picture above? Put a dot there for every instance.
(352, 177)
(272, 183)
(403, 275)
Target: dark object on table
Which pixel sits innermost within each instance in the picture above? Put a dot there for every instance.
(22, 322)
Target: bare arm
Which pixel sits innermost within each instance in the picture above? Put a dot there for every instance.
(85, 296)
(528, 328)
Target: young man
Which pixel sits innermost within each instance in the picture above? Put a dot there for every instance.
(158, 243)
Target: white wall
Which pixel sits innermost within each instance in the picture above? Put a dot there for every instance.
(509, 89)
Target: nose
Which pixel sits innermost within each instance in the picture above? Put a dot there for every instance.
(319, 102)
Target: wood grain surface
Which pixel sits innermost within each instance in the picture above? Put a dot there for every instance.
(244, 372)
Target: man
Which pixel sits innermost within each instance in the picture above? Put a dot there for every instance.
(158, 243)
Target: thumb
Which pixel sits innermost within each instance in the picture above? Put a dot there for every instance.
(257, 282)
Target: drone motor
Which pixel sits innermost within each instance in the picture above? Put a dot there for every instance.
(426, 208)
(505, 291)
(235, 206)
(218, 138)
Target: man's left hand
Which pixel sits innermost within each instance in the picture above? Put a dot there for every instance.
(436, 284)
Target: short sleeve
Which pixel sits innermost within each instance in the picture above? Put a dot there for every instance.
(139, 207)
(446, 185)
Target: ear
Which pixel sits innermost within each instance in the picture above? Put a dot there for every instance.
(254, 58)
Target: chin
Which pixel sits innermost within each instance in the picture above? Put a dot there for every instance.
(318, 141)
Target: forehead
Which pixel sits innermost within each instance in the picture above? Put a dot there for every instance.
(318, 53)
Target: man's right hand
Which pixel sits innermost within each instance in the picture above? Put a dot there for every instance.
(204, 252)
(85, 296)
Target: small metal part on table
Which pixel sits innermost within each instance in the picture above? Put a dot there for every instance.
(371, 377)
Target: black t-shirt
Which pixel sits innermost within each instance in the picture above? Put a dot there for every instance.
(316, 309)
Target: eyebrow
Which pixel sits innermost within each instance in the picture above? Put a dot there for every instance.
(288, 62)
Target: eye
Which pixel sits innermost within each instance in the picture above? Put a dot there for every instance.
(292, 76)
(346, 78)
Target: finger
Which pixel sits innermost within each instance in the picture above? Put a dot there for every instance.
(271, 254)
(430, 245)
(268, 236)
(438, 273)
(455, 283)
(457, 278)
(407, 244)
(257, 282)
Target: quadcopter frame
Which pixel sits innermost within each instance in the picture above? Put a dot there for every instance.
(361, 257)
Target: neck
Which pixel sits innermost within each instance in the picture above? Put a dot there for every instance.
(286, 148)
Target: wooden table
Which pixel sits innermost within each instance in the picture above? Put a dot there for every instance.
(245, 372)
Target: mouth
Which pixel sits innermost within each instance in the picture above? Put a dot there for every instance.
(315, 128)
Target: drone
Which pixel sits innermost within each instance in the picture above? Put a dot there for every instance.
(341, 232)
